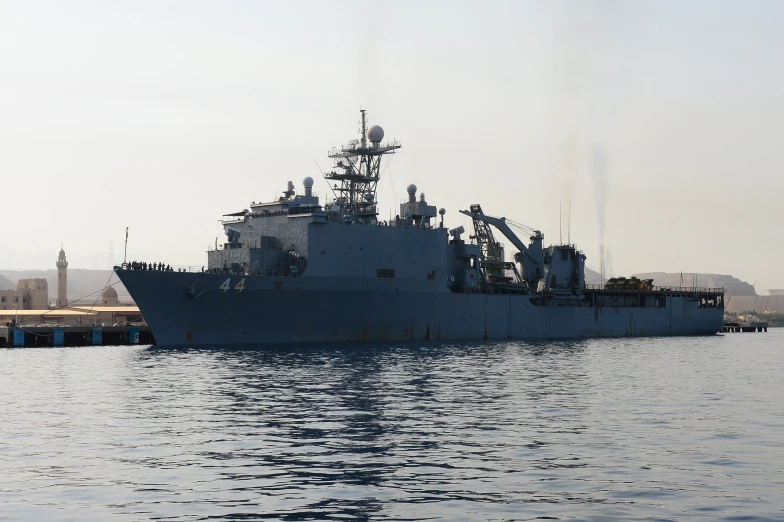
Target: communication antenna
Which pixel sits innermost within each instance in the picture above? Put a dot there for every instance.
(125, 252)
(111, 254)
(364, 129)
(358, 170)
(569, 226)
(560, 226)
(609, 272)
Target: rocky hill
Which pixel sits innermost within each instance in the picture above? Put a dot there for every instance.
(6, 284)
(757, 303)
(591, 277)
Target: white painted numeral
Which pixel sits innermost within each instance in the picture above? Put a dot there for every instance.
(226, 285)
(241, 285)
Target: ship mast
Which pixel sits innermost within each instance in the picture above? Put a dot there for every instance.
(357, 171)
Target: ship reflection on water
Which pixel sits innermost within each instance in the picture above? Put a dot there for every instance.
(307, 433)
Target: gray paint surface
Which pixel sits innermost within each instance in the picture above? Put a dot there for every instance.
(339, 297)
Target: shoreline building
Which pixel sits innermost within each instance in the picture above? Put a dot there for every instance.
(30, 294)
(29, 304)
(109, 297)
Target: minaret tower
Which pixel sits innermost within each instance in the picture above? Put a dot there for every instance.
(62, 279)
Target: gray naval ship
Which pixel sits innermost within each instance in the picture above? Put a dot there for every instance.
(299, 270)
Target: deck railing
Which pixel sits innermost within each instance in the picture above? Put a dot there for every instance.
(152, 267)
(659, 289)
(188, 269)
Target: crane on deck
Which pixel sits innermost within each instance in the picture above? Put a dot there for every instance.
(531, 257)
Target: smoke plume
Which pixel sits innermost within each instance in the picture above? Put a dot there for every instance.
(587, 67)
(599, 176)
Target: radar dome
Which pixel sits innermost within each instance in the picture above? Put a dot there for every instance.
(412, 189)
(375, 134)
(307, 182)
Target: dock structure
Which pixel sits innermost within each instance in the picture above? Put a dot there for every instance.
(54, 335)
(738, 326)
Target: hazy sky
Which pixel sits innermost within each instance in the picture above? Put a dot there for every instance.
(666, 118)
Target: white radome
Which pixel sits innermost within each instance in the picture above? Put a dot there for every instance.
(375, 134)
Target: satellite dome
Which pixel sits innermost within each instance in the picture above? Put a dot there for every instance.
(307, 182)
(412, 189)
(375, 134)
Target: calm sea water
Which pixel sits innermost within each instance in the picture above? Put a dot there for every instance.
(630, 429)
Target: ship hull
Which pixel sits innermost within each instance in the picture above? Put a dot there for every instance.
(201, 309)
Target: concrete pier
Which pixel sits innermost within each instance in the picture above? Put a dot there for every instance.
(733, 326)
(45, 336)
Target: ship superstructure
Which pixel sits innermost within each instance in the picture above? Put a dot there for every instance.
(297, 270)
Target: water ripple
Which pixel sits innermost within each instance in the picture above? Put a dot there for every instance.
(656, 429)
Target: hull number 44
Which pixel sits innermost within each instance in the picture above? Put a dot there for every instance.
(226, 285)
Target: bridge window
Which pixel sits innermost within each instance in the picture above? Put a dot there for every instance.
(385, 273)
